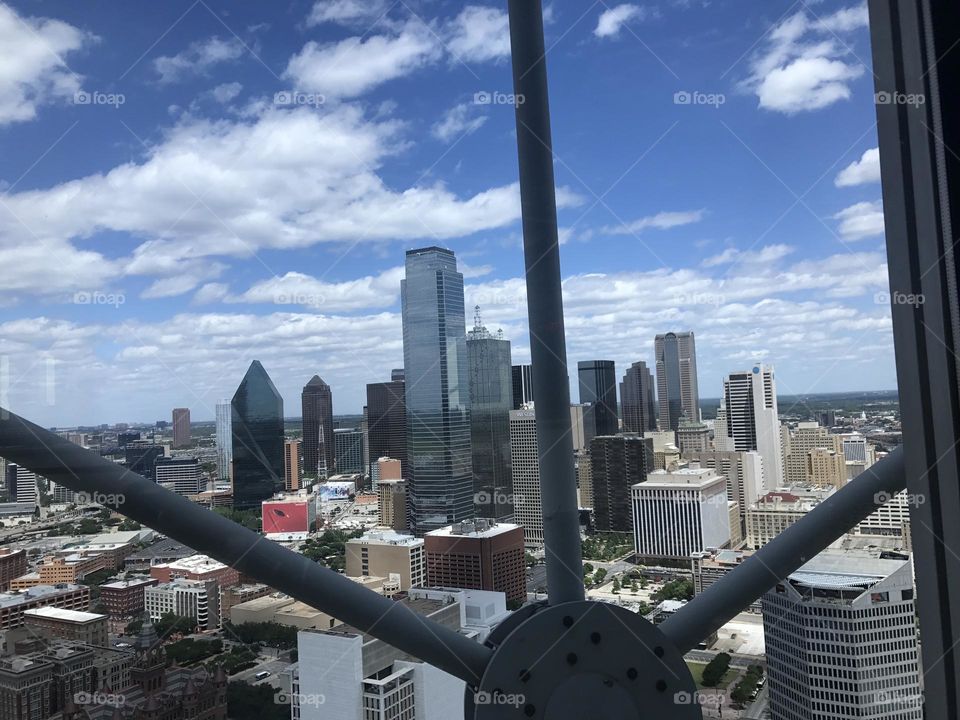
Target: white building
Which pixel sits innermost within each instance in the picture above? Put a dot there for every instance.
(180, 475)
(776, 511)
(750, 420)
(197, 599)
(841, 640)
(681, 512)
(889, 518)
(744, 474)
(525, 468)
(353, 676)
(224, 439)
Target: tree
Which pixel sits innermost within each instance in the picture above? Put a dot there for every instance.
(254, 702)
(599, 576)
(616, 586)
(587, 568)
(715, 670)
(680, 589)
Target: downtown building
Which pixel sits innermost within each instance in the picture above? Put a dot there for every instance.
(348, 451)
(841, 640)
(224, 418)
(748, 420)
(805, 449)
(677, 392)
(680, 512)
(637, 399)
(617, 463)
(598, 391)
(744, 474)
(180, 475)
(491, 400)
(439, 470)
(522, 377)
(292, 465)
(257, 428)
(387, 554)
(181, 428)
(318, 447)
(387, 424)
(479, 555)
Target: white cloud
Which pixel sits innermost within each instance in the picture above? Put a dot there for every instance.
(613, 19)
(862, 220)
(479, 34)
(457, 122)
(660, 221)
(766, 254)
(298, 289)
(34, 70)
(805, 65)
(356, 65)
(226, 92)
(862, 171)
(345, 12)
(198, 58)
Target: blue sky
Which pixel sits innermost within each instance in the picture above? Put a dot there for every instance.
(186, 187)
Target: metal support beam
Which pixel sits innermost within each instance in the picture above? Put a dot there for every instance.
(916, 65)
(207, 532)
(836, 515)
(548, 351)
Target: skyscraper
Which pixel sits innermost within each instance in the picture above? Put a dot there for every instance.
(348, 451)
(750, 420)
(522, 376)
(525, 470)
(257, 430)
(598, 386)
(440, 471)
(224, 439)
(636, 399)
(387, 424)
(676, 358)
(841, 640)
(617, 463)
(318, 449)
(292, 464)
(491, 399)
(181, 427)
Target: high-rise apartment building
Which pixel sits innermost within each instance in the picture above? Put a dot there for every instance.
(180, 475)
(318, 447)
(386, 424)
(841, 640)
(774, 512)
(292, 465)
(525, 470)
(491, 400)
(797, 446)
(679, 512)
(386, 553)
(522, 377)
(480, 555)
(224, 439)
(392, 499)
(181, 427)
(257, 428)
(439, 464)
(677, 392)
(751, 421)
(617, 463)
(598, 388)
(637, 399)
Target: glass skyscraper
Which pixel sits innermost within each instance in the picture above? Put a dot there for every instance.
(386, 424)
(598, 387)
(257, 419)
(491, 399)
(318, 446)
(440, 471)
(676, 357)
(636, 399)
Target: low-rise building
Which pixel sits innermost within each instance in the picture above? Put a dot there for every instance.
(384, 553)
(197, 599)
(123, 599)
(13, 563)
(73, 625)
(478, 554)
(196, 567)
(776, 511)
(14, 604)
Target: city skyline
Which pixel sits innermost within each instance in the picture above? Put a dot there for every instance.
(718, 243)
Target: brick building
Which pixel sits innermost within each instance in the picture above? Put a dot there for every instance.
(478, 555)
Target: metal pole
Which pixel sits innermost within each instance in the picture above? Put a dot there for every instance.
(783, 555)
(207, 532)
(551, 384)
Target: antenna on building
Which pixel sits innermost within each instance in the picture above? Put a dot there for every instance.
(477, 323)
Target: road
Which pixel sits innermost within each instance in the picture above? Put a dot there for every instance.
(736, 661)
(536, 578)
(271, 665)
